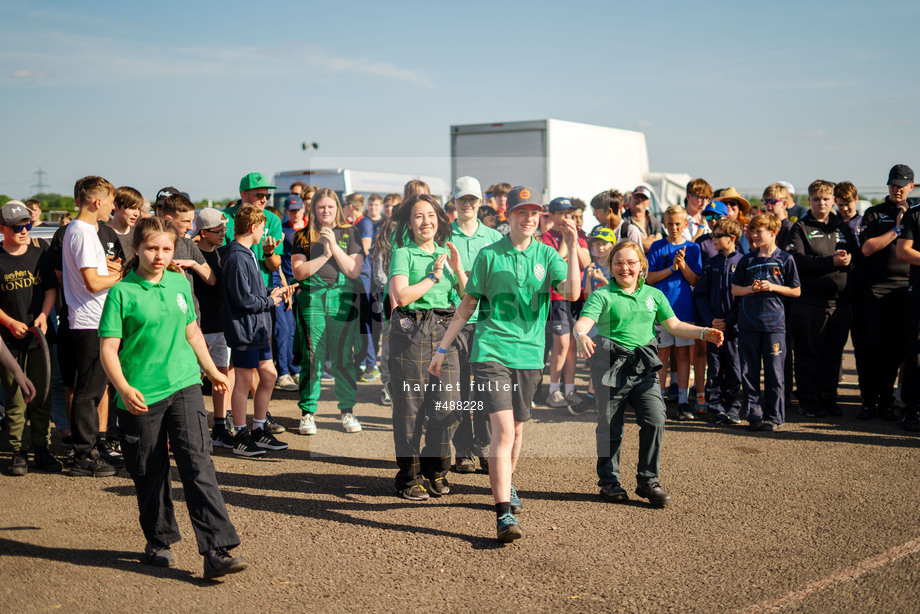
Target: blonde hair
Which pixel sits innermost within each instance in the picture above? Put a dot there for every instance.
(620, 246)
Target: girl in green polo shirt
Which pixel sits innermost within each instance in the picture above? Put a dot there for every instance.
(326, 259)
(421, 286)
(150, 349)
(624, 370)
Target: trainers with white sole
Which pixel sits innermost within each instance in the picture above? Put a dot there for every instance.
(350, 423)
(287, 383)
(556, 399)
(307, 424)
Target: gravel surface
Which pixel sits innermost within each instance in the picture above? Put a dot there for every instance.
(755, 518)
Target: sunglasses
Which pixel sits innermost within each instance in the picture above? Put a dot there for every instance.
(20, 227)
(773, 201)
(719, 235)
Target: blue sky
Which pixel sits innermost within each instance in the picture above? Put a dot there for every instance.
(186, 94)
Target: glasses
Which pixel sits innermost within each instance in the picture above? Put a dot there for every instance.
(625, 264)
(20, 227)
(719, 235)
(467, 200)
(261, 196)
(218, 231)
(773, 201)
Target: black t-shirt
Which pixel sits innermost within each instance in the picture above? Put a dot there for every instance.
(347, 239)
(210, 298)
(882, 269)
(910, 229)
(24, 280)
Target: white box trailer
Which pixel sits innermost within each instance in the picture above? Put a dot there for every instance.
(556, 157)
(348, 181)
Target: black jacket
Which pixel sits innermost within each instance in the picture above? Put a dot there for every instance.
(247, 317)
(812, 245)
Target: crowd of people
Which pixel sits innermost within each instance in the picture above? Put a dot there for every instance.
(459, 308)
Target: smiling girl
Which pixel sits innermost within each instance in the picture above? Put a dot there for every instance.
(149, 316)
(421, 286)
(327, 259)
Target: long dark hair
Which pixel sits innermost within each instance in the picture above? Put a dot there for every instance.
(145, 229)
(401, 216)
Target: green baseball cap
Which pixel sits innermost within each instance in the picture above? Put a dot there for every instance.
(253, 181)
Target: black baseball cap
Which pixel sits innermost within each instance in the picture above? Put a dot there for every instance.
(900, 175)
(163, 194)
(521, 196)
(560, 204)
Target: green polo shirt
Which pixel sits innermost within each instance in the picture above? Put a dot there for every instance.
(469, 247)
(150, 319)
(272, 229)
(417, 264)
(513, 291)
(628, 319)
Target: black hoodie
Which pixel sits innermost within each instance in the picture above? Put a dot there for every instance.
(813, 244)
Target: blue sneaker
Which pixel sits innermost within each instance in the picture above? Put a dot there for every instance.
(516, 505)
(508, 529)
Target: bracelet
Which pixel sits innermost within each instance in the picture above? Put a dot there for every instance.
(433, 277)
(441, 350)
(703, 333)
(577, 335)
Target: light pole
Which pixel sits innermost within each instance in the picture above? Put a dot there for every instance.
(311, 147)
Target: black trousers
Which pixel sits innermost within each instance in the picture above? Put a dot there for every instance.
(819, 330)
(416, 394)
(474, 432)
(723, 377)
(180, 419)
(910, 386)
(89, 386)
(879, 342)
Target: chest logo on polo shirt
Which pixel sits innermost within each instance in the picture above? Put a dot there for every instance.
(650, 303)
(180, 300)
(539, 271)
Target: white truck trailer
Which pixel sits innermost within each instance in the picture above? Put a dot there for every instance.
(557, 157)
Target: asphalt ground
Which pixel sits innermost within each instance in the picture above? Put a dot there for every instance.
(818, 517)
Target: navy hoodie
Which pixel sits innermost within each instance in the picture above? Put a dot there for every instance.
(713, 292)
(247, 317)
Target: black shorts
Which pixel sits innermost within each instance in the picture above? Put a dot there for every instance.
(501, 388)
(560, 318)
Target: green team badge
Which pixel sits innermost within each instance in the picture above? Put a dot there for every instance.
(180, 300)
(539, 272)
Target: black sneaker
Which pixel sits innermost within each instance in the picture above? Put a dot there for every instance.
(218, 562)
(654, 493)
(465, 464)
(244, 446)
(583, 406)
(911, 420)
(888, 414)
(613, 493)
(112, 447)
(158, 556)
(439, 487)
(866, 413)
(684, 412)
(221, 438)
(484, 463)
(43, 459)
(19, 464)
(110, 453)
(266, 440)
(271, 426)
(414, 493)
(92, 468)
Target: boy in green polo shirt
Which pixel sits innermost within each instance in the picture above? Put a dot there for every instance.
(510, 283)
(469, 236)
(254, 190)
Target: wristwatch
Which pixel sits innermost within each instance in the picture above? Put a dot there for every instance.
(433, 278)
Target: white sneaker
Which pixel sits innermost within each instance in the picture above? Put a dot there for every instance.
(286, 382)
(351, 423)
(307, 425)
(555, 399)
(296, 378)
(572, 398)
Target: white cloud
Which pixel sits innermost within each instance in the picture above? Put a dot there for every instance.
(27, 74)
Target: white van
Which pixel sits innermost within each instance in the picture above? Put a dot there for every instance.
(348, 181)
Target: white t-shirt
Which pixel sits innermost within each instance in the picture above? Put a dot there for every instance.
(82, 249)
